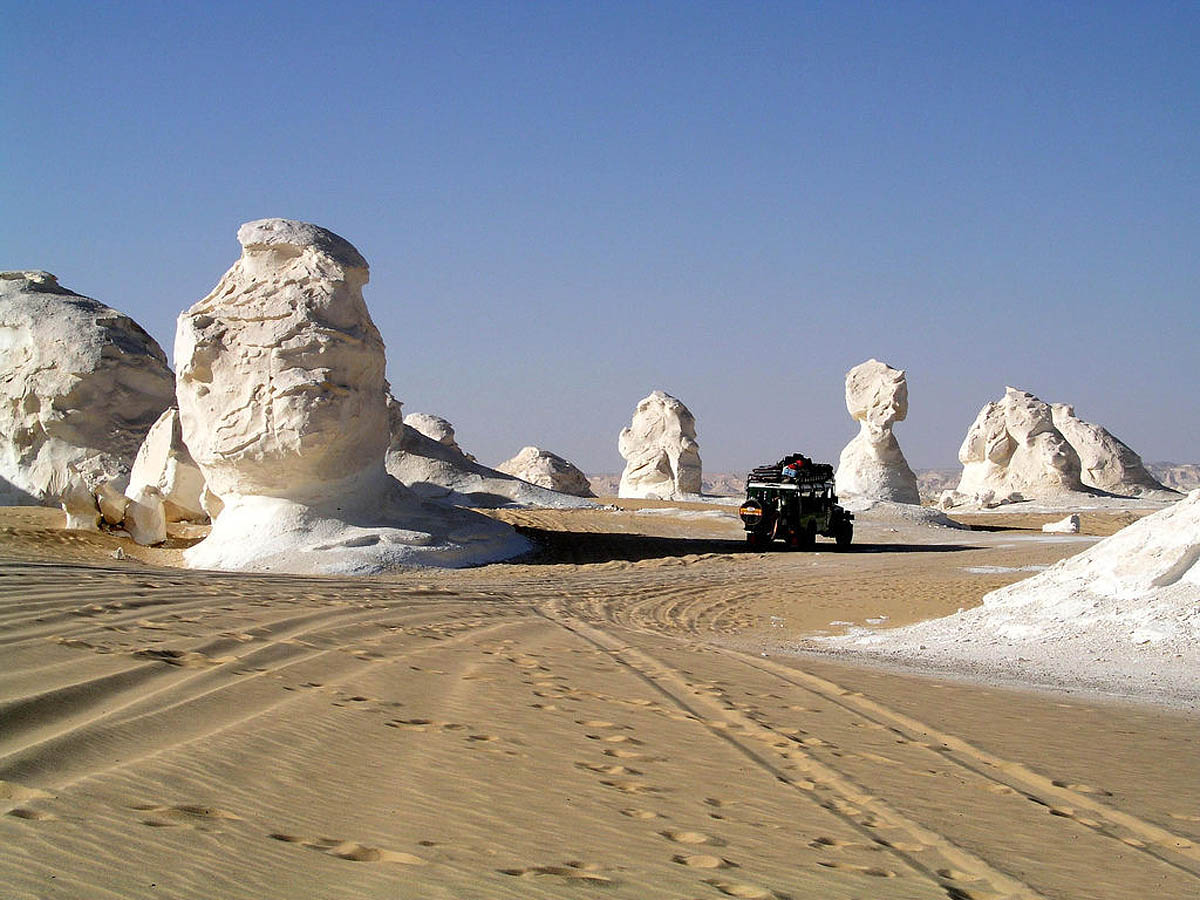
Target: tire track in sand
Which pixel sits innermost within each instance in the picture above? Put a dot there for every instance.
(957, 871)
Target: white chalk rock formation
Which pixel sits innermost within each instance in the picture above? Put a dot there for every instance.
(283, 405)
(1106, 462)
(548, 470)
(79, 503)
(1014, 451)
(164, 461)
(145, 516)
(441, 472)
(112, 501)
(1069, 525)
(872, 465)
(80, 385)
(662, 458)
(436, 429)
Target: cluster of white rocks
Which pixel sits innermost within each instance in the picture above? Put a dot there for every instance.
(662, 458)
(872, 464)
(1020, 448)
(424, 456)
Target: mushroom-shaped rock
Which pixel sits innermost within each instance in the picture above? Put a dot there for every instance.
(872, 464)
(548, 470)
(164, 461)
(440, 472)
(80, 385)
(283, 406)
(1013, 448)
(1106, 462)
(662, 458)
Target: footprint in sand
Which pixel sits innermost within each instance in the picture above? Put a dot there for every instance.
(874, 871)
(745, 891)
(571, 871)
(350, 850)
(633, 787)
(31, 815)
(202, 818)
(1082, 788)
(691, 837)
(634, 813)
(603, 769)
(703, 861)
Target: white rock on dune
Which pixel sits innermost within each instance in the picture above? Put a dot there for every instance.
(548, 470)
(1106, 462)
(1124, 613)
(80, 385)
(163, 460)
(1014, 451)
(872, 465)
(1069, 525)
(662, 458)
(283, 405)
(438, 470)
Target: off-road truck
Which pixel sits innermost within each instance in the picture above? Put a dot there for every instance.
(793, 501)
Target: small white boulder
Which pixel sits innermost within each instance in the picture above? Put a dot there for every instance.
(1069, 525)
(548, 470)
(145, 518)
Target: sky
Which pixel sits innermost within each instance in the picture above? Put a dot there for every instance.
(566, 206)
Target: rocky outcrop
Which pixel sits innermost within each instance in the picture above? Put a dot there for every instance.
(164, 461)
(872, 465)
(662, 458)
(1106, 463)
(436, 429)
(548, 470)
(283, 406)
(439, 471)
(1014, 451)
(80, 385)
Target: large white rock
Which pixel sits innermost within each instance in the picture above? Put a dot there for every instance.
(548, 470)
(436, 429)
(80, 385)
(662, 458)
(1106, 462)
(146, 516)
(79, 503)
(872, 465)
(163, 460)
(1014, 450)
(438, 470)
(283, 405)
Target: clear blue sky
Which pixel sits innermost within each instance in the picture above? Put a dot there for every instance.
(568, 205)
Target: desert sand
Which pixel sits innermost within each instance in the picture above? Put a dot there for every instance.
(618, 715)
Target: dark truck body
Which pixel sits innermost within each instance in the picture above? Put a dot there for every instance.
(794, 501)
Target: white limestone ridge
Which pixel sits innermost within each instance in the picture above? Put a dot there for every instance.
(1131, 601)
(662, 457)
(438, 470)
(1106, 463)
(872, 464)
(283, 405)
(80, 385)
(548, 470)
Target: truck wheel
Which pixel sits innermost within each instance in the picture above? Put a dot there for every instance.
(845, 535)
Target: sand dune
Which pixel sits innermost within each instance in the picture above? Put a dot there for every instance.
(597, 718)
